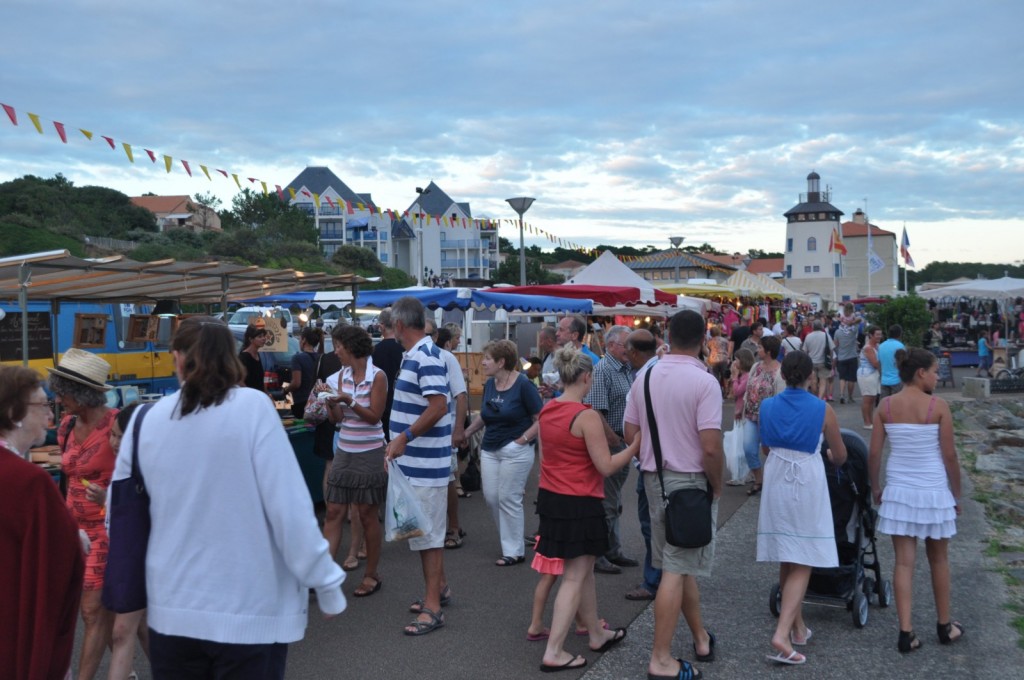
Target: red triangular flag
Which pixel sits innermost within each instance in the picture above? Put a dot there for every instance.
(349, 207)
(11, 114)
(329, 201)
(60, 131)
(187, 169)
(280, 194)
(109, 141)
(223, 172)
(152, 156)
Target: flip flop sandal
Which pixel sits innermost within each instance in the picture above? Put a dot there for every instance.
(710, 656)
(807, 638)
(538, 637)
(569, 665)
(364, 592)
(423, 627)
(508, 561)
(617, 637)
(794, 658)
(350, 564)
(754, 490)
(452, 540)
(686, 672)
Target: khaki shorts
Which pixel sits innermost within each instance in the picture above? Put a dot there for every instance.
(685, 561)
(870, 385)
(434, 502)
(821, 372)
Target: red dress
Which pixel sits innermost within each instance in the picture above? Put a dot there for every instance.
(92, 460)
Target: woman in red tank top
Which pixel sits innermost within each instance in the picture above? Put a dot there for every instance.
(574, 461)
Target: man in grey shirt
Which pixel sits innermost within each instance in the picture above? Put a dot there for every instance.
(816, 345)
(846, 361)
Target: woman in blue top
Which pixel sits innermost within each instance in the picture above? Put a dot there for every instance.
(509, 411)
(795, 524)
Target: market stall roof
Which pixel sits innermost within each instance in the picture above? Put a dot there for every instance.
(608, 270)
(609, 296)
(1005, 288)
(463, 298)
(755, 285)
(59, 275)
(305, 298)
(702, 290)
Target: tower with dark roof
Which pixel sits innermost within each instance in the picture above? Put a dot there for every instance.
(808, 263)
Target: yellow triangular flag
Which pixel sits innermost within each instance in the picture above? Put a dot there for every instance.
(35, 121)
(128, 150)
(292, 192)
(316, 199)
(264, 188)
(88, 135)
(236, 180)
(206, 172)
(167, 162)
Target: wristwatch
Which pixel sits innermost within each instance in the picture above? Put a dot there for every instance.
(409, 436)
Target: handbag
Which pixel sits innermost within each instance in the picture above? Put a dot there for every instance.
(687, 511)
(315, 410)
(124, 582)
(828, 353)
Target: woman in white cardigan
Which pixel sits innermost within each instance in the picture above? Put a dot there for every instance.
(234, 546)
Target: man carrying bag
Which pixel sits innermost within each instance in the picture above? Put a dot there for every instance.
(687, 407)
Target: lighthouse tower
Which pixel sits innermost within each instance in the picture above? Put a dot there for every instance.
(809, 224)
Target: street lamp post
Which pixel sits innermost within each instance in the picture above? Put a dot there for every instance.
(419, 269)
(521, 204)
(677, 241)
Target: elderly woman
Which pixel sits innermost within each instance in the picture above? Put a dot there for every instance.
(358, 479)
(79, 383)
(795, 523)
(234, 547)
(764, 381)
(254, 338)
(40, 556)
(509, 410)
(575, 459)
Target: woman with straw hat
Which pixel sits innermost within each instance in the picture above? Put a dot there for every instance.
(79, 383)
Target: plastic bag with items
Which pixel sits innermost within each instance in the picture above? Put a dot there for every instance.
(404, 518)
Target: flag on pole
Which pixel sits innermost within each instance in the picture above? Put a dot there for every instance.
(905, 249)
(835, 244)
(875, 263)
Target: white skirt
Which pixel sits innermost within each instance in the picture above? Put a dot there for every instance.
(795, 523)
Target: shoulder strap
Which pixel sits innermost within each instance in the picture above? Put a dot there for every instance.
(67, 432)
(652, 425)
(136, 470)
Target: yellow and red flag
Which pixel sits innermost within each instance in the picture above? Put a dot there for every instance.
(835, 244)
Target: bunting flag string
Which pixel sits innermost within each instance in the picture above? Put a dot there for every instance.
(350, 207)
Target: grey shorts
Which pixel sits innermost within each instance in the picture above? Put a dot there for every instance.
(685, 561)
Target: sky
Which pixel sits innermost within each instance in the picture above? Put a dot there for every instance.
(628, 122)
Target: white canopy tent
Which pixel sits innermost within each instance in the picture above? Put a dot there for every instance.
(608, 270)
(1005, 288)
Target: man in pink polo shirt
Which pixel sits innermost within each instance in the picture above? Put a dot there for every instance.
(687, 403)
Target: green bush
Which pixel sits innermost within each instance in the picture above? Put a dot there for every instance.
(910, 312)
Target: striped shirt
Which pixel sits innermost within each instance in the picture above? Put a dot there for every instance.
(427, 459)
(355, 434)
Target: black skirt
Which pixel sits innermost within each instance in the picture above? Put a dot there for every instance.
(571, 526)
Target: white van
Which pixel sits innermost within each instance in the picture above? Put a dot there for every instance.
(246, 315)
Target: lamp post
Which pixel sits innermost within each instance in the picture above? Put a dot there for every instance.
(521, 204)
(419, 269)
(677, 241)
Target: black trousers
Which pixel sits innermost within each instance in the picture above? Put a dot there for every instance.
(173, 657)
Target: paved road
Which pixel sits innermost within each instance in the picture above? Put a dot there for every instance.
(485, 634)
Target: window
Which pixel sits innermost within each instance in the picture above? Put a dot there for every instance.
(789, 245)
(656, 276)
(817, 269)
(837, 273)
(807, 269)
(801, 217)
(812, 244)
(789, 271)
(821, 216)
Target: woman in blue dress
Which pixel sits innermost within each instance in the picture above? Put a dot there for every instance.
(795, 523)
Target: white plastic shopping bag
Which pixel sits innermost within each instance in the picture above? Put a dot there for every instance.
(735, 458)
(404, 518)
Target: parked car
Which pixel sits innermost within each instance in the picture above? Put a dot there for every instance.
(330, 319)
(274, 318)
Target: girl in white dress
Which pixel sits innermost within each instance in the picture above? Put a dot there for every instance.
(794, 526)
(922, 489)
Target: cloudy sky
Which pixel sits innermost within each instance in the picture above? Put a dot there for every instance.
(629, 122)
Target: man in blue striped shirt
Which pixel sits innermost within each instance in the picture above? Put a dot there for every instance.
(421, 435)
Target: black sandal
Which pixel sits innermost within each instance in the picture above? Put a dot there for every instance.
(754, 490)
(508, 561)
(944, 629)
(908, 642)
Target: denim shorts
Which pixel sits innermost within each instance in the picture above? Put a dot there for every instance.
(752, 444)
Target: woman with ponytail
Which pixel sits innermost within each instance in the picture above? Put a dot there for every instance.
(234, 547)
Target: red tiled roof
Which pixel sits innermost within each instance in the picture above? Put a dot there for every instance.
(767, 265)
(163, 205)
(856, 229)
(727, 260)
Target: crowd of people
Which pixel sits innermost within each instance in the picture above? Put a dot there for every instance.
(227, 574)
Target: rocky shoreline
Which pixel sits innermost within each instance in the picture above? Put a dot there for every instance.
(990, 442)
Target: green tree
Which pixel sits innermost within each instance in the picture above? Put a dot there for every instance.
(356, 258)
(758, 254)
(508, 272)
(909, 311)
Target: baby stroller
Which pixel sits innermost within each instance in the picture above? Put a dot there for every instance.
(854, 523)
